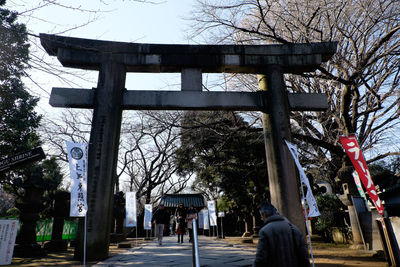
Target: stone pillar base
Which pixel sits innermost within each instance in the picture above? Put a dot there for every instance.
(246, 234)
(357, 246)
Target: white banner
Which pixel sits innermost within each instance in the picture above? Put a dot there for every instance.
(212, 214)
(130, 207)
(358, 184)
(8, 233)
(77, 157)
(200, 217)
(221, 214)
(205, 220)
(147, 216)
(312, 204)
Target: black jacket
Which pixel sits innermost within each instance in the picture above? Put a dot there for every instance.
(281, 244)
(161, 216)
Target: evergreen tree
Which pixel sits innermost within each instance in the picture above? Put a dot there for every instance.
(34, 184)
(18, 120)
(228, 157)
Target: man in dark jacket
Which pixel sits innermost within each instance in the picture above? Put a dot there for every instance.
(281, 243)
(161, 218)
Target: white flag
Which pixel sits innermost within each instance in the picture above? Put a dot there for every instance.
(312, 204)
(147, 216)
(130, 206)
(211, 210)
(358, 184)
(78, 163)
(206, 222)
(201, 219)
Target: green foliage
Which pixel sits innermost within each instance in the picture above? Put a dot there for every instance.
(14, 47)
(12, 213)
(18, 120)
(224, 204)
(384, 173)
(332, 215)
(227, 156)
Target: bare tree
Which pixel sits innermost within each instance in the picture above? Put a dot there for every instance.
(155, 138)
(146, 153)
(82, 15)
(361, 80)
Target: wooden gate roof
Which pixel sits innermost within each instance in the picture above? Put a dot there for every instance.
(173, 200)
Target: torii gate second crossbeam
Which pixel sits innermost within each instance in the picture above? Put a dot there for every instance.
(114, 59)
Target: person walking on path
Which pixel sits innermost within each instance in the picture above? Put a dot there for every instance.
(180, 215)
(191, 214)
(161, 218)
(280, 243)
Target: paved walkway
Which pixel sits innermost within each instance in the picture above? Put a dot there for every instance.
(212, 253)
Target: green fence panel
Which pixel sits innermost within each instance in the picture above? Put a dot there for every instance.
(43, 230)
(69, 230)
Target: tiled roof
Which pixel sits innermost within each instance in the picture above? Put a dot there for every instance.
(173, 200)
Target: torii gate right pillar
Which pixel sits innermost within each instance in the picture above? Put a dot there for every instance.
(283, 182)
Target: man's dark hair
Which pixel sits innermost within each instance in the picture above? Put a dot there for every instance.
(268, 209)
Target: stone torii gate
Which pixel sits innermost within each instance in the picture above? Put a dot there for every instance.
(114, 59)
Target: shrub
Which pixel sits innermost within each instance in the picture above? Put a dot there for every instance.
(332, 215)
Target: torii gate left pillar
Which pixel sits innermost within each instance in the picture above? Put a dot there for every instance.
(106, 125)
(114, 59)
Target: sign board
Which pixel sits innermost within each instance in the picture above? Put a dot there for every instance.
(70, 230)
(212, 214)
(8, 233)
(130, 207)
(44, 229)
(21, 159)
(147, 216)
(221, 214)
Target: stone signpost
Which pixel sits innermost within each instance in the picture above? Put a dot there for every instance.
(114, 59)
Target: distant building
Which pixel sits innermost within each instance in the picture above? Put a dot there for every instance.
(171, 201)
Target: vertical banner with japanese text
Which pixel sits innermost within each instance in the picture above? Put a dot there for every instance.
(130, 207)
(147, 216)
(206, 221)
(200, 219)
(77, 157)
(312, 204)
(353, 150)
(212, 213)
(8, 233)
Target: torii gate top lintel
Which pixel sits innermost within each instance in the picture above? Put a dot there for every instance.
(137, 57)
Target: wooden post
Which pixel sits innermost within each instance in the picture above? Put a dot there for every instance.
(103, 151)
(283, 181)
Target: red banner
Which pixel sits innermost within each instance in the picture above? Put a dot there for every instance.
(354, 152)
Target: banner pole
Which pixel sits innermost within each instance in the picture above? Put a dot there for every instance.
(84, 245)
(306, 216)
(217, 229)
(222, 228)
(136, 235)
